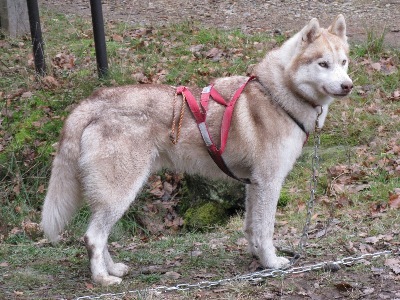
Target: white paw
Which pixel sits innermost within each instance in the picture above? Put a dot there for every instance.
(107, 280)
(118, 269)
(278, 262)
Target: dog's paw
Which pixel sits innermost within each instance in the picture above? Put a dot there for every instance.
(107, 280)
(118, 269)
(278, 262)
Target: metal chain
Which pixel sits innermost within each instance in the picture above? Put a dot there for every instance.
(255, 277)
(313, 189)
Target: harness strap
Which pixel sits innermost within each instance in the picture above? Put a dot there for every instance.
(210, 91)
(200, 115)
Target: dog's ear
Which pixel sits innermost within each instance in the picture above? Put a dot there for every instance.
(311, 31)
(338, 27)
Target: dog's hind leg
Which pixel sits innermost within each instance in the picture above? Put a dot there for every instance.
(104, 270)
(108, 204)
(113, 171)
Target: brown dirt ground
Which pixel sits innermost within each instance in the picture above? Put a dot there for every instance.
(272, 16)
(249, 15)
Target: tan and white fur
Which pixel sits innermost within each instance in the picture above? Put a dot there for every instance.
(116, 138)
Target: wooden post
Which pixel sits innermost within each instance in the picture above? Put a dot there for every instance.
(14, 17)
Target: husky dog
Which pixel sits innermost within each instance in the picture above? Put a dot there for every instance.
(116, 138)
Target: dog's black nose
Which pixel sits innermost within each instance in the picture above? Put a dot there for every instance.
(347, 86)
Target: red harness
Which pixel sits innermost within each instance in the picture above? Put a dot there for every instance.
(200, 115)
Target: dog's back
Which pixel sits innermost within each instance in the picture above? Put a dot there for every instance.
(113, 140)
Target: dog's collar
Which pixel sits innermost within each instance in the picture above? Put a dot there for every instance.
(268, 92)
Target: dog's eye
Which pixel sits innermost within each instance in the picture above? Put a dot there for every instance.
(344, 62)
(324, 64)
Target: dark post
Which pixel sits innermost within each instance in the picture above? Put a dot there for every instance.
(36, 34)
(99, 37)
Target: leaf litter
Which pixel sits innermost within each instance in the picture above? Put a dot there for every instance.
(160, 216)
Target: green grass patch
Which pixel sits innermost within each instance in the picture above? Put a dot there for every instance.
(361, 131)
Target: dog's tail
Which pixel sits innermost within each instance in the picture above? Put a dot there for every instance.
(64, 195)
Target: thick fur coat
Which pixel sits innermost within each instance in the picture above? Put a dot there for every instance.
(116, 138)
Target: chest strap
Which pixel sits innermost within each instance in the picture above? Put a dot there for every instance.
(200, 115)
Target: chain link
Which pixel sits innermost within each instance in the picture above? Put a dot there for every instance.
(251, 278)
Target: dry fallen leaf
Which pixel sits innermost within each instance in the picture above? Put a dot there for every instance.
(140, 78)
(364, 248)
(394, 199)
(168, 188)
(376, 66)
(214, 54)
(388, 69)
(50, 82)
(27, 95)
(41, 189)
(242, 242)
(196, 50)
(394, 264)
(32, 229)
(157, 192)
(117, 38)
(89, 285)
(396, 95)
(218, 243)
(172, 275)
(344, 286)
(64, 61)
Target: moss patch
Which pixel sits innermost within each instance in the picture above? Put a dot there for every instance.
(205, 216)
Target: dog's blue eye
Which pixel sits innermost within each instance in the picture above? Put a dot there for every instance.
(324, 64)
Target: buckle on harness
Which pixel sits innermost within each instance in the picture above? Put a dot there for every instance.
(206, 89)
(204, 133)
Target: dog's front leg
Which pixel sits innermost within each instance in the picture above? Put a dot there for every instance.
(261, 202)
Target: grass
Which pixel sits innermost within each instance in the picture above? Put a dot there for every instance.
(361, 134)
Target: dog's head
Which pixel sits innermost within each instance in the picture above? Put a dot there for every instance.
(318, 68)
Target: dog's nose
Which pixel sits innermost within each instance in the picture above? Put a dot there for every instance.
(347, 86)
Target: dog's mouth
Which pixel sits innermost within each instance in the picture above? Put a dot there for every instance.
(341, 95)
(336, 95)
